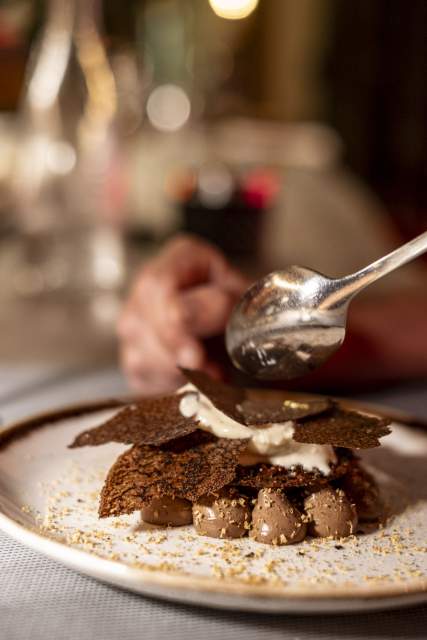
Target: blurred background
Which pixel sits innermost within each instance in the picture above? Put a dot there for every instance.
(281, 130)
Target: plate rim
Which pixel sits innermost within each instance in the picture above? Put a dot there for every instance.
(82, 560)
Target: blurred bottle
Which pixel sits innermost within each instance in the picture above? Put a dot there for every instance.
(68, 182)
(227, 207)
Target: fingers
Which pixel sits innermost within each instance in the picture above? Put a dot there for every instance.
(230, 279)
(148, 364)
(185, 294)
(153, 303)
(186, 263)
(205, 310)
(143, 343)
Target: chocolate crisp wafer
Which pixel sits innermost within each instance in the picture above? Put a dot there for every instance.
(150, 421)
(342, 428)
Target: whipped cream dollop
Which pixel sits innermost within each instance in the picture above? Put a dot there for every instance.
(272, 443)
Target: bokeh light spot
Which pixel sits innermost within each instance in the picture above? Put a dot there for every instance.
(233, 9)
(168, 107)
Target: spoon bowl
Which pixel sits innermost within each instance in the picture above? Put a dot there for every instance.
(282, 327)
(290, 322)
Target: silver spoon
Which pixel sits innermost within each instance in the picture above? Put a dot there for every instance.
(292, 321)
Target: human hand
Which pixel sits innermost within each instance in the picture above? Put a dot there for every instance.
(181, 297)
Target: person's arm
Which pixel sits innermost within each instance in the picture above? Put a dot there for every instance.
(386, 341)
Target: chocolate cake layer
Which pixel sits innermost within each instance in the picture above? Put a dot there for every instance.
(144, 472)
(260, 476)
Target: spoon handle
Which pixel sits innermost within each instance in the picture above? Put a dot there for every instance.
(355, 282)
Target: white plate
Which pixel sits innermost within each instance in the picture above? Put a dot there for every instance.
(48, 501)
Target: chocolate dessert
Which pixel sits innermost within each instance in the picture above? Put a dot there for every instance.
(235, 464)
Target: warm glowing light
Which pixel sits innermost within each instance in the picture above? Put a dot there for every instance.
(101, 102)
(168, 107)
(215, 186)
(107, 259)
(61, 158)
(233, 9)
(49, 72)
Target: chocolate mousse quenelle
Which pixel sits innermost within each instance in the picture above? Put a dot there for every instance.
(234, 463)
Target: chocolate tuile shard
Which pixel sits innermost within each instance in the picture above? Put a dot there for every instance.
(343, 428)
(235, 402)
(152, 421)
(318, 420)
(223, 396)
(267, 476)
(257, 412)
(145, 472)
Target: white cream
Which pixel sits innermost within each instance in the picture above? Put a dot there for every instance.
(197, 405)
(273, 444)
